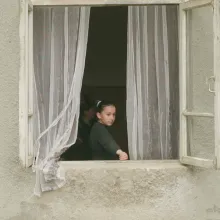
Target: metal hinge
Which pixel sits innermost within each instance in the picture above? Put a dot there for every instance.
(30, 160)
(30, 114)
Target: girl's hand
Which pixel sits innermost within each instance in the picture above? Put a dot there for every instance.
(122, 155)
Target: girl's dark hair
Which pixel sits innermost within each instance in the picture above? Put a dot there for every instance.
(100, 105)
(86, 106)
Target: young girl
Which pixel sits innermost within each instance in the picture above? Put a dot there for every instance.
(102, 143)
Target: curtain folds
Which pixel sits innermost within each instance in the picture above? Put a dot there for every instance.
(152, 82)
(60, 41)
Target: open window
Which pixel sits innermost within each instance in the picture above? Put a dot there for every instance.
(26, 85)
(199, 83)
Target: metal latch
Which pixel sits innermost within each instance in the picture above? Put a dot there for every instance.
(211, 79)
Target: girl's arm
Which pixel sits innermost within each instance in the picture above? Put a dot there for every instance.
(109, 144)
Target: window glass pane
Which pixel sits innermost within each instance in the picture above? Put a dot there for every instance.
(201, 137)
(199, 59)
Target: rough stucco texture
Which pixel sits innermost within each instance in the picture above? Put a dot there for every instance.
(176, 193)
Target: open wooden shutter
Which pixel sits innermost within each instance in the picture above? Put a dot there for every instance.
(199, 83)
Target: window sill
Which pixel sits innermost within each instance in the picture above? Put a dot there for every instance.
(146, 164)
(105, 174)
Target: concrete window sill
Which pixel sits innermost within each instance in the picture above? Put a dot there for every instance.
(128, 181)
(145, 164)
(68, 168)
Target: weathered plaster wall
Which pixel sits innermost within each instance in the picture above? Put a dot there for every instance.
(134, 192)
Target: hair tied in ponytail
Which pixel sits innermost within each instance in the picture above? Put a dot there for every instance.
(98, 102)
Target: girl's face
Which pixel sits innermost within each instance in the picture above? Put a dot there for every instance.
(107, 116)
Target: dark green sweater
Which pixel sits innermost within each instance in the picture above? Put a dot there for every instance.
(80, 150)
(102, 143)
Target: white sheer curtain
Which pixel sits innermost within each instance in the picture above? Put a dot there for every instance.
(60, 41)
(152, 82)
